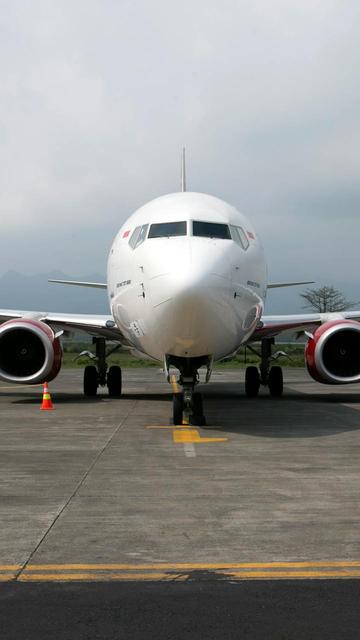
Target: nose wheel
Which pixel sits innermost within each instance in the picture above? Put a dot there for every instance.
(188, 402)
(178, 408)
(197, 406)
(192, 404)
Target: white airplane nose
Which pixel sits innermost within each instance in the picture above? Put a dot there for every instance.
(189, 301)
(190, 274)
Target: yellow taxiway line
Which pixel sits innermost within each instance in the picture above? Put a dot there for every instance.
(195, 565)
(163, 571)
(21, 386)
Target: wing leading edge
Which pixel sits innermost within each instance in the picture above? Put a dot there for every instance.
(94, 325)
(271, 326)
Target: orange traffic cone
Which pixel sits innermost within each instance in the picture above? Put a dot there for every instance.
(46, 400)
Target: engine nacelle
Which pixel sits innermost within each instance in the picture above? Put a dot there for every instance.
(332, 355)
(29, 352)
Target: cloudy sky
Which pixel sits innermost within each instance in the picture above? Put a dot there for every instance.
(97, 98)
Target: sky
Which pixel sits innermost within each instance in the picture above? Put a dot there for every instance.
(98, 97)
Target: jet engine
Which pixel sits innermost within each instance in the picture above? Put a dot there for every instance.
(332, 354)
(29, 352)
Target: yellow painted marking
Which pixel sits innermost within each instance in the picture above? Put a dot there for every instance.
(183, 571)
(193, 565)
(273, 575)
(161, 427)
(192, 435)
(29, 577)
(179, 426)
(10, 567)
(174, 384)
(21, 386)
(134, 576)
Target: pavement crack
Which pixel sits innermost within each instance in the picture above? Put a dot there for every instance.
(76, 490)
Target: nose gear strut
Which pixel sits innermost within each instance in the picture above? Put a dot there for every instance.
(187, 400)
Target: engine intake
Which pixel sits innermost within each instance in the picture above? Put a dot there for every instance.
(332, 355)
(29, 352)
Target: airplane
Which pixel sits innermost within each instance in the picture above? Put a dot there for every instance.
(187, 284)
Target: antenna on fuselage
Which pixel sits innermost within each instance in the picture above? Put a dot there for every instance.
(183, 171)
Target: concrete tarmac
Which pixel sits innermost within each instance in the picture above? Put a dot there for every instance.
(107, 490)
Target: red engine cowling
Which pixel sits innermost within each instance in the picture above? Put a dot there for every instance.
(29, 352)
(332, 355)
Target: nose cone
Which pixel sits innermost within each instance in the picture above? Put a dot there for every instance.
(190, 274)
(191, 298)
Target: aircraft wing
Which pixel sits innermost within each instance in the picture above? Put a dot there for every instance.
(271, 326)
(94, 325)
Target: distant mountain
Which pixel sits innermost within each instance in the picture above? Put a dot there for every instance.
(19, 291)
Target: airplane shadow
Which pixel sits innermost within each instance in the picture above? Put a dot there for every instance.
(227, 410)
(295, 415)
(74, 398)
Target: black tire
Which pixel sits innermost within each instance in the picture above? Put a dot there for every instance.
(252, 382)
(197, 417)
(178, 408)
(90, 381)
(276, 382)
(114, 381)
(197, 404)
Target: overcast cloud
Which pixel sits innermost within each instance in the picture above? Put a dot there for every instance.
(97, 98)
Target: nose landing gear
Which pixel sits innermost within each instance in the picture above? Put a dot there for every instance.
(188, 401)
(266, 375)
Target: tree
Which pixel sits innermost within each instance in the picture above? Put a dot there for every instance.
(326, 299)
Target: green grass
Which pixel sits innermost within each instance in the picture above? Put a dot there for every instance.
(126, 360)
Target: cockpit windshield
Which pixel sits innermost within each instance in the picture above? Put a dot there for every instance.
(167, 229)
(211, 230)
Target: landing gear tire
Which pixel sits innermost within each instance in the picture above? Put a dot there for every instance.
(252, 382)
(90, 381)
(114, 381)
(275, 382)
(197, 417)
(178, 408)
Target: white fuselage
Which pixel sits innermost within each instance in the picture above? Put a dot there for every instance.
(187, 295)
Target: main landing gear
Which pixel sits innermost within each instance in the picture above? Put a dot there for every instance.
(98, 375)
(266, 375)
(188, 401)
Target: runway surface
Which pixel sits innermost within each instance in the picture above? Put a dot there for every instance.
(263, 502)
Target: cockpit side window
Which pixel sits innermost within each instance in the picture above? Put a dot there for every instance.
(134, 236)
(138, 236)
(239, 236)
(167, 229)
(142, 234)
(211, 230)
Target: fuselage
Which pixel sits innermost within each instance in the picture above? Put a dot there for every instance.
(187, 277)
